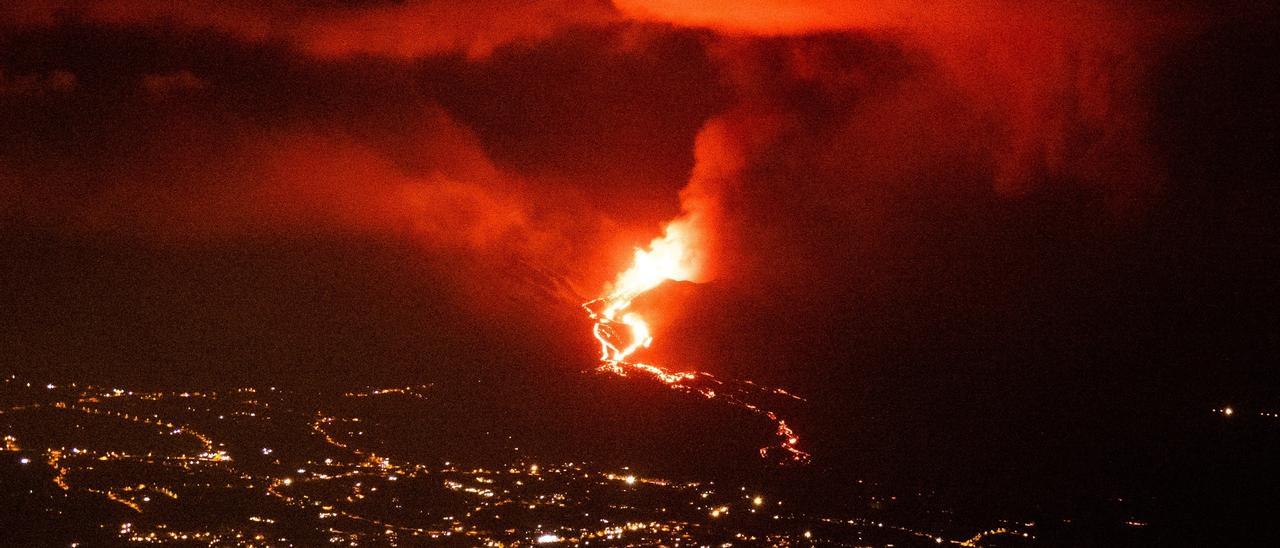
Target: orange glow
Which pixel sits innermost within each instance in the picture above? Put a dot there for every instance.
(667, 258)
(621, 332)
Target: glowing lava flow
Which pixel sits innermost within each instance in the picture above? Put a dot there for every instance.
(622, 332)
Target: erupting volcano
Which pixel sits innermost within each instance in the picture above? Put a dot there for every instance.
(621, 332)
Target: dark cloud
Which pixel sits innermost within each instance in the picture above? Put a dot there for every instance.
(335, 29)
(54, 81)
(252, 141)
(164, 85)
(1054, 91)
(612, 109)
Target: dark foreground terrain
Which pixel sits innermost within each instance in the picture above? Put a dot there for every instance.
(95, 465)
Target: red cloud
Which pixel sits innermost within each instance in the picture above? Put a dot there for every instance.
(1062, 87)
(396, 29)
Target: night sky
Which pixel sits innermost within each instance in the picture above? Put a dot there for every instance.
(1001, 247)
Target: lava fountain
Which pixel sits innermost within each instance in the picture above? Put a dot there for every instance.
(621, 332)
